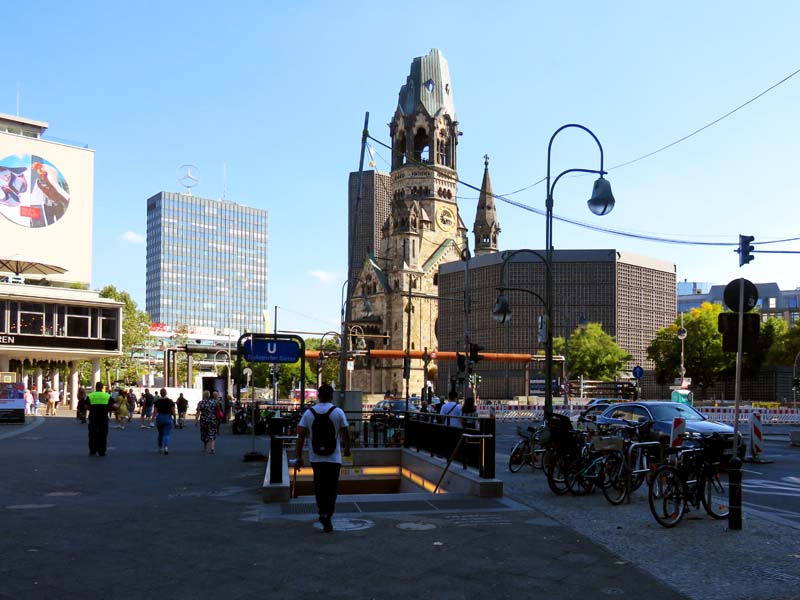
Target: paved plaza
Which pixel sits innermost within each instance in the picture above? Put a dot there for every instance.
(191, 525)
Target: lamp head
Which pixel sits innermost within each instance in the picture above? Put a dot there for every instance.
(501, 312)
(602, 200)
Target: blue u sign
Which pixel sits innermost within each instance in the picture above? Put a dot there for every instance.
(271, 351)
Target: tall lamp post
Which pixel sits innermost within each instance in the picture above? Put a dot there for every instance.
(601, 203)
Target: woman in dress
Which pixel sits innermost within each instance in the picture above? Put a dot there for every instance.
(205, 415)
(122, 409)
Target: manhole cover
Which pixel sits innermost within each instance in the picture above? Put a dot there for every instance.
(416, 526)
(348, 524)
(64, 494)
(29, 506)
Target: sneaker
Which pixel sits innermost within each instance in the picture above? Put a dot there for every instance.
(166, 450)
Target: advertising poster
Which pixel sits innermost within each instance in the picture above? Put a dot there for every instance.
(33, 192)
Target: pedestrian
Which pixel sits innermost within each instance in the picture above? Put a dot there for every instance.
(147, 408)
(470, 409)
(451, 409)
(35, 394)
(50, 402)
(82, 405)
(131, 404)
(28, 402)
(206, 416)
(99, 405)
(326, 425)
(122, 410)
(219, 411)
(182, 405)
(163, 414)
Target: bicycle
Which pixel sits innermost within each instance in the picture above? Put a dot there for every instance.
(600, 464)
(696, 477)
(527, 451)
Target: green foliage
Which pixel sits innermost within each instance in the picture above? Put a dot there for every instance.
(135, 327)
(594, 354)
(704, 359)
(786, 347)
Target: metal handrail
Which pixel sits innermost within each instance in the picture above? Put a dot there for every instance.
(470, 438)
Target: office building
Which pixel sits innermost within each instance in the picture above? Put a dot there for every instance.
(368, 216)
(46, 204)
(206, 263)
(631, 296)
(772, 301)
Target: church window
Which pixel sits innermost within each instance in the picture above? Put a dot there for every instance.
(422, 145)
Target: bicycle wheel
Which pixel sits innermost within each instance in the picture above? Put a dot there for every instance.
(716, 495)
(615, 478)
(640, 460)
(519, 456)
(556, 474)
(666, 496)
(577, 483)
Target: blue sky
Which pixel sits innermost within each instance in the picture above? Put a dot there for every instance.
(275, 94)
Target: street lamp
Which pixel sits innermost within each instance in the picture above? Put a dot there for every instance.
(601, 203)
(682, 336)
(345, 324)
(321, 359)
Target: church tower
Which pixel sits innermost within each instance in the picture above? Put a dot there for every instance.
(423, 230)
(487, 227)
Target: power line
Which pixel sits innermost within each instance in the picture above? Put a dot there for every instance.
(590, 226)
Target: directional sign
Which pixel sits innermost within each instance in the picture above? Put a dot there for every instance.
(731, 295)
(271, 350)
(638, 372)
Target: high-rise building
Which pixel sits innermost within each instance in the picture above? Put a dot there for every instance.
(369, 214)
(206, 262)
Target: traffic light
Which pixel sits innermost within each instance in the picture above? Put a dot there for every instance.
(406, 367)
(745, 248)
(728, 326)
(461, 360)
(474, 350)
(542, 337)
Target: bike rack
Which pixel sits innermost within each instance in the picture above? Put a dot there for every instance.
(629, 459)
(470, 438)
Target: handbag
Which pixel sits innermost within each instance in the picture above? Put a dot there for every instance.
(218, 413)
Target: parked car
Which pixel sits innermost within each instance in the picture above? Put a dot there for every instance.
(661, 414)
(392, 406)
(591, 413)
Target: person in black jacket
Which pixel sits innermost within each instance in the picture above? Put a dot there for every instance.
(100, 404)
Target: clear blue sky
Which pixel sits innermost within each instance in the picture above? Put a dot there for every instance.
(278, 91)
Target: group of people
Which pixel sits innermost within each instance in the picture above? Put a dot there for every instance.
(452, 409)
(162, 412)
(48, 396)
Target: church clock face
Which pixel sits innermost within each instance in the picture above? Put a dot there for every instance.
(446, 219)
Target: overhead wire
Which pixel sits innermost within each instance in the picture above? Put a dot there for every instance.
(590, 226)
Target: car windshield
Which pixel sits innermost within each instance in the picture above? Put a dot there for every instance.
(667, 412)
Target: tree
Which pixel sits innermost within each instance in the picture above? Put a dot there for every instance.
(594, 354)
(704, 359)
(135, 327)
(771, 331)
(786, 347)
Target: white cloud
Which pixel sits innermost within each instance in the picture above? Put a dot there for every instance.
(324, 276)
(133, 237)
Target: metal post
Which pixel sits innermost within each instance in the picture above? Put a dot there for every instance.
(467, 308)
(351, 232)
(735, 465)
(407, 359)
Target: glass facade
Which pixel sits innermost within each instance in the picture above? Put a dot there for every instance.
(206, 262)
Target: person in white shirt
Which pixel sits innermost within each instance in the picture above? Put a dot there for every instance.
(451, 409)
(329, 441)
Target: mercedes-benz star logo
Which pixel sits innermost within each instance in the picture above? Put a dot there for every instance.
(188, 176)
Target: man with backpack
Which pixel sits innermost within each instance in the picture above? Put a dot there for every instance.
(327, 426)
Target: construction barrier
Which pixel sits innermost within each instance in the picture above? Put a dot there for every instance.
(756, 435)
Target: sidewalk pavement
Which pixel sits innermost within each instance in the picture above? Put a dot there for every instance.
(192, 525)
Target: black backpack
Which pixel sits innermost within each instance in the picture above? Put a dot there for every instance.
(323, 433)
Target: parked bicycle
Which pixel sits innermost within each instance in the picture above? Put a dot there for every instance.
(528, 450)
(697, 476)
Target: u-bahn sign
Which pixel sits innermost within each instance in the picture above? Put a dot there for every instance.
(271, 350)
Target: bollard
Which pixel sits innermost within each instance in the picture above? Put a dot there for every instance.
(275, 459)
(735, 494)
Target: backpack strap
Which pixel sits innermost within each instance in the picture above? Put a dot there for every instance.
(328, 414)
(313, 412)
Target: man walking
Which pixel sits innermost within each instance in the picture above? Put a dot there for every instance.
(451, 409)
(99, 405)
(326, 425)
(147, 408)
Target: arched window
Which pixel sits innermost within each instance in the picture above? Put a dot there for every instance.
(422, 146)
